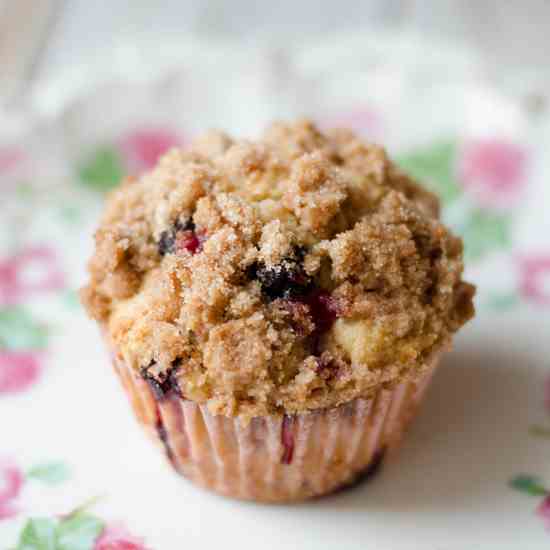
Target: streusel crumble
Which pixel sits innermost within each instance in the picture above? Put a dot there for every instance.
(294, 273)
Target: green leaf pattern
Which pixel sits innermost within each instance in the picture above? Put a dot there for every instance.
(484, 231)
(19, 331)
(102, 169)
(78, 532)
(434, 166)
(75, 532)
(51, 473)
(38, 534)
(529, 485)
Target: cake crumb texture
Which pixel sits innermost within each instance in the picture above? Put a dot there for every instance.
(293, 273)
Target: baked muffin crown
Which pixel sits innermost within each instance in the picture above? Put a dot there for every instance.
(289, 274)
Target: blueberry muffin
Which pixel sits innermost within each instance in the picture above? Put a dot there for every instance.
(275, 308)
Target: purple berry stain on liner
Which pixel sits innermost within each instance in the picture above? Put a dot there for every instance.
(162, 386)
(287, 438)
(158, 388)
(162, 383)
(163, 436)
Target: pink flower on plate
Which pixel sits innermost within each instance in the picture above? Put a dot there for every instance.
(33, 270)
(18, 370)
(143, 147)
(9, 158)
(493, 171)
(362, 119)
(11, 481)
(535, 278)
(116, 537)
(547, 394)
(543, 511)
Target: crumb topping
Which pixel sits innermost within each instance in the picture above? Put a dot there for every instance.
(297, 272)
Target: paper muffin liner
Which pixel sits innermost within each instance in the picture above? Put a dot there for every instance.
(276, 458)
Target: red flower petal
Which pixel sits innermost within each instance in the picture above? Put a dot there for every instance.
(116, 537)
(11, 481)
(534, 271)
(14, 271)
(362, 119)
(10, 158)
(143, 147)
(7, 511)
(543, 510)
(493, 171)
(18, 370)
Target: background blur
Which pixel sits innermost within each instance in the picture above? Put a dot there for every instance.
(39, 38)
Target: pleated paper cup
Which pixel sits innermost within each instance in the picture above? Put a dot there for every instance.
(276, 458)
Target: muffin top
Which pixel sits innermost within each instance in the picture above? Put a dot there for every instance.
(288, 274)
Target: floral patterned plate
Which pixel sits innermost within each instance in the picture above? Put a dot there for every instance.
(76, 472)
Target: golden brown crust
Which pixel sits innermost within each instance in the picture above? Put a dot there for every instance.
(298, 272)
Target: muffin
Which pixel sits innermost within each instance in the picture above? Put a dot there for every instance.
(275, 309)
